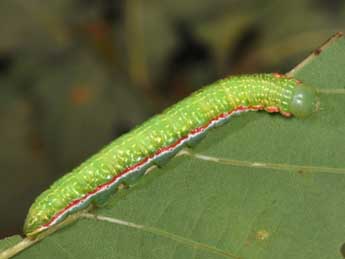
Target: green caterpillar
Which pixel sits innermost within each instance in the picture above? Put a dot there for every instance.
(127, 158)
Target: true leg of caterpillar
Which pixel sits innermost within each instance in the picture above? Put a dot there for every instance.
(162, 233)
(277, 166)
(29, 241)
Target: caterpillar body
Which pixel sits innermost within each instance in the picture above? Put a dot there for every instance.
(155, 141)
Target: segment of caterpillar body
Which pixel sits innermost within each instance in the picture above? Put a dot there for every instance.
(161, 137)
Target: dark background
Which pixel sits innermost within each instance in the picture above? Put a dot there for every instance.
(75, 74)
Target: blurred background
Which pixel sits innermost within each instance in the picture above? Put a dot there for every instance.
(75, 74)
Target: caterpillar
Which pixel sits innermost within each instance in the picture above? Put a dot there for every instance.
(157, 140)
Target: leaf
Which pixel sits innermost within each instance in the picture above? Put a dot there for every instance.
(213, 210)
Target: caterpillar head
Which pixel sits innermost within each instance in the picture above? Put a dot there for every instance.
(304, 101)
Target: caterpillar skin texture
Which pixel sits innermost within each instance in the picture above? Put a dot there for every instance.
(161, 137)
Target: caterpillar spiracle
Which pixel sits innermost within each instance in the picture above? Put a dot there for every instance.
(127, 158)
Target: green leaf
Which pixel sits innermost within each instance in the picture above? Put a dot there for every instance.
(203, 209)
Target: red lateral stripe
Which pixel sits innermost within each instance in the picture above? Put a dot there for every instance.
(272, 109)
(160, 151)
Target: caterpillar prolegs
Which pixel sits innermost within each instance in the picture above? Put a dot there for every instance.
(158, 139)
